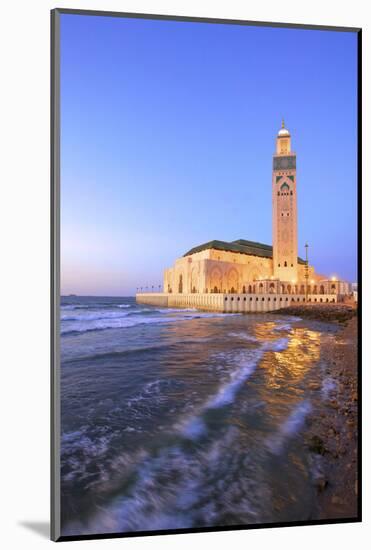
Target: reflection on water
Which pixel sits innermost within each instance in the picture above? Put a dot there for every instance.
(185, 419)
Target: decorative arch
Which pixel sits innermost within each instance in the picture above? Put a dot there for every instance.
(194, 280)
(232, 280)
(215, 282)
(284, 187)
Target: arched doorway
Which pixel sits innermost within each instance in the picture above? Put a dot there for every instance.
(180, 285)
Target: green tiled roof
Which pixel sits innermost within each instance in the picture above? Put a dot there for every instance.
(240, 246)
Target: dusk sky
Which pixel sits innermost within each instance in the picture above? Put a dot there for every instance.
(167, 135)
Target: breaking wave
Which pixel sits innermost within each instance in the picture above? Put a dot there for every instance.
(289, 427)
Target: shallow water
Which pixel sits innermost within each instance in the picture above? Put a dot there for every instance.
(179, 418)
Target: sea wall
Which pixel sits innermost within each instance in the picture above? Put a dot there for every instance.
(231, 303)
(153, 299)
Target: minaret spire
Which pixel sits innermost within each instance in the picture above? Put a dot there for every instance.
(285, 242)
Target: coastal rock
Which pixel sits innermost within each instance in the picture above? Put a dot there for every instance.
(316, 445)
(337, 500)
(314, 386)
(321, 483)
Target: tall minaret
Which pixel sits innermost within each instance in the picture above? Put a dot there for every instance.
(285, 236)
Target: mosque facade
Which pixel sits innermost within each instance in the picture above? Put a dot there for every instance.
(248, 267)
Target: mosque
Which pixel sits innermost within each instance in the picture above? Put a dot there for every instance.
(247, 267)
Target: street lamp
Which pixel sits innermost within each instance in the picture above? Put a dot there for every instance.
(306, 272)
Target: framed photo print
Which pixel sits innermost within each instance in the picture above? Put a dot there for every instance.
(206, 291)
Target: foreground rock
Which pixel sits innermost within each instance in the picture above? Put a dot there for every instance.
(332, 434)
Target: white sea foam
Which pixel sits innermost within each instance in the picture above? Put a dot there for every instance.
(94, 316)
(276, 345)
(243, 336)
(178, 489)
(289, 427)
(328, 385)
(283, 327)
(247, 362)
(74, 306)
(194, 428)
(111, 320)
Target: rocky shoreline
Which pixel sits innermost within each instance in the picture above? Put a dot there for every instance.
(328, 313)
(332, 432)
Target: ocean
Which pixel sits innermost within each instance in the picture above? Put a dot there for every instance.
(178, 418)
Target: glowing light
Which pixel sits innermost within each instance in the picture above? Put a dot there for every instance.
(333, 278)
(312, 281)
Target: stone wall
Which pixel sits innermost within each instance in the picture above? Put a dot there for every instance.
(231, 303)
(153, 298)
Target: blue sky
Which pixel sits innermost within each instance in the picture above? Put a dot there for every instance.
(167, 135)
